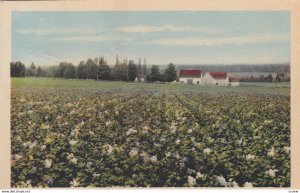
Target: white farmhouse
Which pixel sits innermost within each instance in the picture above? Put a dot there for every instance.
(190, 76)
(215, 78)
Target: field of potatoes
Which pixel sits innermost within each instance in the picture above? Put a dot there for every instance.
(91, 138)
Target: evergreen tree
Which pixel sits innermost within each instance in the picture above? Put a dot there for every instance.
(81, 70)
(104, 71)
(155, 74)
(120, 72)
(17, 69)
(132, 70)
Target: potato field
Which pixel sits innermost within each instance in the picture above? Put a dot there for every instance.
(77, 137)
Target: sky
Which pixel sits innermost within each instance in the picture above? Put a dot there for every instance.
(162, 37)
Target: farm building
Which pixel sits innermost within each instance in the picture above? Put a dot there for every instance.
(190, 76)
(234, 80)
(215, 78)
(140, 78)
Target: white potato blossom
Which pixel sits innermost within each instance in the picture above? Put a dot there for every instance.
(131, 131)
(222, 180)
(48, 163)
(271, 152)
(268, 122)
(107, 149)
(248, 185)
(210, 139)
(18, 138)
(145, 129)
(250, 157)
(72, 142)
(233, 184)
(168, 154)
(72, 158)
(133, 152)
(240, 141)
(25, 144)
(199, 175)
(191, 181)
(32, 145)
(207, 150)
(96, 174)
(43, 147)
(107, 123)
(75, 182)
(91, 133)
(173, 128)
(79, 125)
(22, 100)
(163, 139)
(287, 149)
(190, 130)
(177, 141)
(153, 159)
(157, 145)
(272, 172)
(17, 157)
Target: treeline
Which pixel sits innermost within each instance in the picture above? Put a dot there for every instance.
(280, 77)
(267, 68)
(98, 69)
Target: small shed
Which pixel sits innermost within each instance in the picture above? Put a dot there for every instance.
(140, 78)
(234, 80)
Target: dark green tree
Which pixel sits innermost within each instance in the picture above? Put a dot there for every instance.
(70, 71)
(17, 69)
(32, 71)
(132, 70)
(120, 72)
(155, 74)
(91, 69)
(104, 71)
(170, 73)
(81, 70)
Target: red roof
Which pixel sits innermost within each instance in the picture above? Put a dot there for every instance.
(234, 78)
(190, 73)
(218, 75)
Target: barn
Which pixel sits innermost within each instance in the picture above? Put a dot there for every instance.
(215, 78)
(190, 76)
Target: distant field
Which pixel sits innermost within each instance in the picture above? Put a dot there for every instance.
(277, 88)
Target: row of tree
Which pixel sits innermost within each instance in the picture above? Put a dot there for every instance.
(97, 69)
(280, 77)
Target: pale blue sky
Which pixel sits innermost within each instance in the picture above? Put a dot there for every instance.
(181, 37)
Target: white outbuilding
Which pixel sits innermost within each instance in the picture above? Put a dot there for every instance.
(215, 78)
(190, 76)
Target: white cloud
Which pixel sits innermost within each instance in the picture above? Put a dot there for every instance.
(44, 31)
(237, 40)
(165, 28)
(90, 39)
